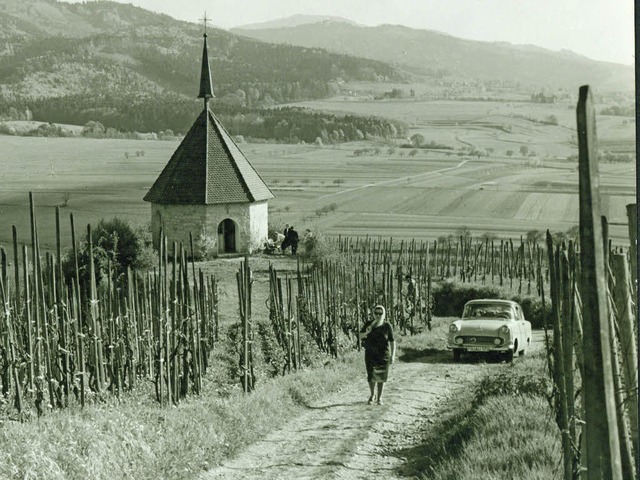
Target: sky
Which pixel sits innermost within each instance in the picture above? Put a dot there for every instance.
(598, 29)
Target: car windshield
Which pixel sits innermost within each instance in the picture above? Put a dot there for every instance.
(487, 310)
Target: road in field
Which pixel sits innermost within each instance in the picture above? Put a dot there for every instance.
(393, 181)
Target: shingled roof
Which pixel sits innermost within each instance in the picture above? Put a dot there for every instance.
(208, 168)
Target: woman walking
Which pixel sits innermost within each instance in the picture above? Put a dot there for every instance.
(379, 352)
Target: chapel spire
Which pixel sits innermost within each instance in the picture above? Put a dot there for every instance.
(206, 87)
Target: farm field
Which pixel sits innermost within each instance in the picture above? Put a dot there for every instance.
(424, 196)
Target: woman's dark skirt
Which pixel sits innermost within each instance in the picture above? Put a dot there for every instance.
(377, 373)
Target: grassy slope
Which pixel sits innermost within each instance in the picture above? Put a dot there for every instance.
(137, 439)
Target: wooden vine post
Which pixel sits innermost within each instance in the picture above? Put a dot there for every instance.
(625, 320)
(602, 442)
(244, 289)
(632, 216)
(559, 370)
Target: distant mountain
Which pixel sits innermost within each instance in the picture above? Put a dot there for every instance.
(295, 21)
(134, 69)
(440, 55)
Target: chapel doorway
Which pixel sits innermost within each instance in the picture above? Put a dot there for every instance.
(227, 236)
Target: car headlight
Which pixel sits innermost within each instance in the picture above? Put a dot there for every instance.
(504, 329)
(453, 328)
(459, 340)
(497, 341)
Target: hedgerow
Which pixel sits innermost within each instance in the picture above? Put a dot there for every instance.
(450, 296)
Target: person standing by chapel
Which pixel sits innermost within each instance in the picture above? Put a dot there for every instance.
(285, 243)
(294, 239)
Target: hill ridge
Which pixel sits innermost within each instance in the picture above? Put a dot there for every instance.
(428, 52)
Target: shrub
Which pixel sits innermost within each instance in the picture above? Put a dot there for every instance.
(532, 309)
(449, 297)
(316, 249)
(6, 129)
(115, 242)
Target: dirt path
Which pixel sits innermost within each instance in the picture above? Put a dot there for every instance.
(343, 437)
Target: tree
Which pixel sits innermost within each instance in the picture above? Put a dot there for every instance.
(93, 129)
(534, 236)
(416, 140)
(478, 152)
(524, 150)
(490, 236)
(573, 233)
(463, 232)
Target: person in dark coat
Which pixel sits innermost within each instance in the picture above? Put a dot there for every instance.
(285, 243)
(294, 238)
(379, 352)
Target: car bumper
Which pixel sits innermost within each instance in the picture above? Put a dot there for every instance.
(481, 348)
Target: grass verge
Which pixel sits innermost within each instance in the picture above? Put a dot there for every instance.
(501, 428)
(137, 439)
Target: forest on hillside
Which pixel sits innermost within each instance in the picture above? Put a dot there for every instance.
(116, 117)
(147, 81)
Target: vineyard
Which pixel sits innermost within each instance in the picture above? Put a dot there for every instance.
(65, 340)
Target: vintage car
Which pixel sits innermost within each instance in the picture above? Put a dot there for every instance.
(490, 325)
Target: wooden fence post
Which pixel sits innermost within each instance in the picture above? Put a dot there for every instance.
(632, 216)
(626, 319)
(559, 374)
(603, 446)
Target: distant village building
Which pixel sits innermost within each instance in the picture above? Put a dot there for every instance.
(209, 188)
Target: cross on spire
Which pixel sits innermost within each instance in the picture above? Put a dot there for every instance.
(205, 20)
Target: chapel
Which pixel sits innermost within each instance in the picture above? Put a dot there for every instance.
(209, 188)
